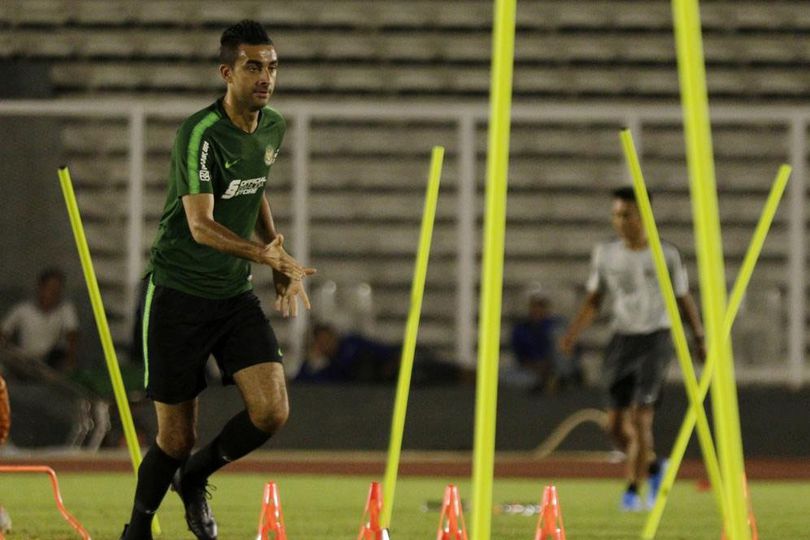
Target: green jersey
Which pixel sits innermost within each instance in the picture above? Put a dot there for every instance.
(212, 155)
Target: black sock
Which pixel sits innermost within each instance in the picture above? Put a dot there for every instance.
(632, 487)
(238, 438)
(154, 476)
(655, 468)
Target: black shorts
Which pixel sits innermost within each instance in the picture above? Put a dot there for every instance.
(180, 331)
(635, 367)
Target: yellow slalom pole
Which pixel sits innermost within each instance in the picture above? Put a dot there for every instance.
(678, 334)
(102, 325)
(740, 286)
(489, 324)
(411, 331)
(711, 265)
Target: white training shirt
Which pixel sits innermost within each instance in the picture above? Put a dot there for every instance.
(629, 276)
(40, 332)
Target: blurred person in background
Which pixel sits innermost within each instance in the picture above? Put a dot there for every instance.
(199, 300)
(46, 328)
(352, 357)
(636, 359)
(40, 340)
(535, 346)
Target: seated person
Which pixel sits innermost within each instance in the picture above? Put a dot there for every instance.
(45, 328)
(534, 343)
(350, 358)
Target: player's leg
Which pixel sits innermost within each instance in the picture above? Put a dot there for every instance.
(620, 372)
(264, 392)
(643, 419)
(177, 336)
(621, 428)
(652, 375)
(175, 439)
(248, 354)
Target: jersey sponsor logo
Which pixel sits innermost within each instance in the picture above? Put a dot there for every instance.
(229, 164)
(270, 155)
(205, 176)
(244, 187)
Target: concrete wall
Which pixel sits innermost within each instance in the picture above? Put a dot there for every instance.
(441, 418)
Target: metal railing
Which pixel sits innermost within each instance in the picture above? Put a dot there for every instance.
(465, 116)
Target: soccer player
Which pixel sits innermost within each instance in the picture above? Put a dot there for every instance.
(636, 359)
(198, 299)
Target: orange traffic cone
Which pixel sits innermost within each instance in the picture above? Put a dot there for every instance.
(371, 530)
(271, 519)
(752, 522)
(454, 529)
(550, 523)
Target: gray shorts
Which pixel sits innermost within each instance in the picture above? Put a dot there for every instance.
(634, 368)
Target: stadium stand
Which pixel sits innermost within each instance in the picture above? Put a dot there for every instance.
(568, 51)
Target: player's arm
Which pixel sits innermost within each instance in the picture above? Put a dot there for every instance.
(205, 230)
(287, 289)
(585, 316)
(688, 307)
(265, 226)
(9, 325)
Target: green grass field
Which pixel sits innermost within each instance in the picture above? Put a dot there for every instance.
(330, 508)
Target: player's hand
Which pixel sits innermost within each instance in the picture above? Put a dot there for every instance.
(277, 258)
(287, 297)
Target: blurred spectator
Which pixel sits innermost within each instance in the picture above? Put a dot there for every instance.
(45, 328)
(534, 344)
(353, 357)
(39, 339)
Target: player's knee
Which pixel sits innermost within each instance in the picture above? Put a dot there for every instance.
(270, 419)
(177, 444)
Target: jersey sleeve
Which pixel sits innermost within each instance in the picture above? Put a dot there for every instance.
(12, 320)
(193, 162)
(596, 281)
(677, 271)
(70, 321)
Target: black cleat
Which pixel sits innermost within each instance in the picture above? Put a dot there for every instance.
(125, 537)
(199, 518)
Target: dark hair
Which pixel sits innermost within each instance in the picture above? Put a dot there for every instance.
(245, 32)
(626, 193)
(50, 273)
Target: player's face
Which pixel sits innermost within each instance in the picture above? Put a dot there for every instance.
(627, 220)
(252, 78)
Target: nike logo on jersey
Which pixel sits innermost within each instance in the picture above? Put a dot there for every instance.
(229, 164)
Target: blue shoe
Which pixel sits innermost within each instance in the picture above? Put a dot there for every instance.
(631, 502)
(654, 483)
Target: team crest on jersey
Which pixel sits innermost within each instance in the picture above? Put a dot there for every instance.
(270, 155)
